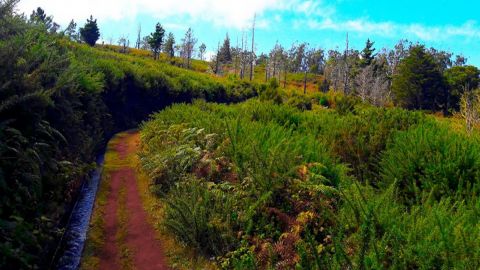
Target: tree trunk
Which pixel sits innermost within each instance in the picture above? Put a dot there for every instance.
(305, 83)
(266, 70)
(253, 48)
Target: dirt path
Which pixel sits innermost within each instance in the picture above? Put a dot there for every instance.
(130, 241)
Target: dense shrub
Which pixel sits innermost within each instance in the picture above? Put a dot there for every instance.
(345, 104)
(300, 102)
(271, 92)
(201, 215)
(379, 232)
(283, 201)
(320, 99)
(360, 139)
(277, 176)
(434, 159)
(178, 149)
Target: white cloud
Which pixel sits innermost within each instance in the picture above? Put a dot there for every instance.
(314, 14)
(358, 25)
(313, 8)
(229, 13)
(391, 29)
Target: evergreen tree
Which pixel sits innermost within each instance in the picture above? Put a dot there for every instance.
(225, 55)
(39, 17)
(90, 32)
(71, 30)
(368, 54)
(418, 83)
(156, 40)
(459, 78)
(169, 47)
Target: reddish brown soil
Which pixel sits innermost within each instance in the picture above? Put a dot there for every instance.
(109, 258)
(147, 251)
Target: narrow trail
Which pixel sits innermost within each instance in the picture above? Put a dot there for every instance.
(130, 241)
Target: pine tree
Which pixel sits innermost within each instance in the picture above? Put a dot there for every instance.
(39, 16)
(169, 47)
(71, 30)
(90, 32)
(368, 54)
(225, 55)
(156, 40)
(418, 83)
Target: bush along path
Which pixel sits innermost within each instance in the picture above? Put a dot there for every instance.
(120, 236)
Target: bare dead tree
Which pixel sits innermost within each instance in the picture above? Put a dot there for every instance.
(274, 62)
(306, 62)
(334, 70)
(188, 47)
(123, 43)
(364, 82)
(217, 60)
(397, 54)
(346, 78)
(252, 60)
(139, 37)
(286, 67)
(372, 86)
(380, 94)
(201, 51)
(236, 57)
(266, 70)
(243, 55)
(470, 107)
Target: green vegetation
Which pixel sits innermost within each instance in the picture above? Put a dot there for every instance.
(59, 102)
(155, 40)
(307, 176)
(264, 186)
(90, 32)
(419, 83)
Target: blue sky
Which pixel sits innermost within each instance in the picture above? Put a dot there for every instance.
(448, 25)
